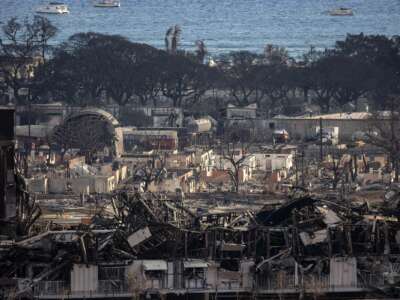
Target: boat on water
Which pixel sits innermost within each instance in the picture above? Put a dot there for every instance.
(342, 11)
(107, 3)
(53, 8)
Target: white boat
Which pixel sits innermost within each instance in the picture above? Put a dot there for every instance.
(341, 12)
(107, 3)
(53, 8)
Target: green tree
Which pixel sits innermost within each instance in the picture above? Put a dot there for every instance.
(23, 46)
(96, 64)
(242, 76)
(183, 80)
(383, 53)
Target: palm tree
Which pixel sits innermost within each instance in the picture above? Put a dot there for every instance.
(168, 37)
(201, 50)
(175, 39)
(172, 37)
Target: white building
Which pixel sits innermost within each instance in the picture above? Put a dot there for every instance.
(246, 167)
(273, 161)
(237, 112)
(305, 126)
(206, 160)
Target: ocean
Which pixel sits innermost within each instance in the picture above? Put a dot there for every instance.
(224, 25)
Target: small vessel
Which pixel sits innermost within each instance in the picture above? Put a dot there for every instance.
(342, 11)
(53, 8)
(107, 3)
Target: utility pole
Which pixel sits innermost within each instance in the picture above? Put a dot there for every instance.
(296, 166)
(302, 167)
(321, 154)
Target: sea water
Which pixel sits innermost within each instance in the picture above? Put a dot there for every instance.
(224, 25)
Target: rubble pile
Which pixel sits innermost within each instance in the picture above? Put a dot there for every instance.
(304, 245)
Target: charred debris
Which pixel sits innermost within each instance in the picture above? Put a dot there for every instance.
(305, 246)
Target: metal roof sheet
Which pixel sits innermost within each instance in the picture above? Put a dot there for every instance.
(155, 265)
(195, 264)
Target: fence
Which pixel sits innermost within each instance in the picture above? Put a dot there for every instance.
(51, 288)
(278, 282)
(283, 281)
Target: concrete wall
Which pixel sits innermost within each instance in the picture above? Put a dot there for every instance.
(212, 275)
(119, 174)
(343, 272)
(246, 171)
(137, 277)
(116, 175)
(298, 128)
(57, 185)
(206, 160)
(167, 185)
(182, 160)
(223, 279)
(37, 185)
(105, 169)
(123, 173)
(119, 143)
(247, 273)
(249, 111)
(76, 161)
(84, 278)
(82, 184)
(273, 161)
(306, 128)
(104, 184)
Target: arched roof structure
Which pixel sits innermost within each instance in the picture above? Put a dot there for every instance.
(90, 130)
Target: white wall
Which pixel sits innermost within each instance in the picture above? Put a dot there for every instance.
(84, 278)
(38, 185)
(273, 161)
(166, 185)
(247, 274)
(82, 184)
(249, 165)
(57, 185)
(104, 184)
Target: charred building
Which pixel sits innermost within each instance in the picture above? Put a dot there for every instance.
(7, 179)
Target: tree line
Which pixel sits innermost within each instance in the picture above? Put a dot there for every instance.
(93, 68)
